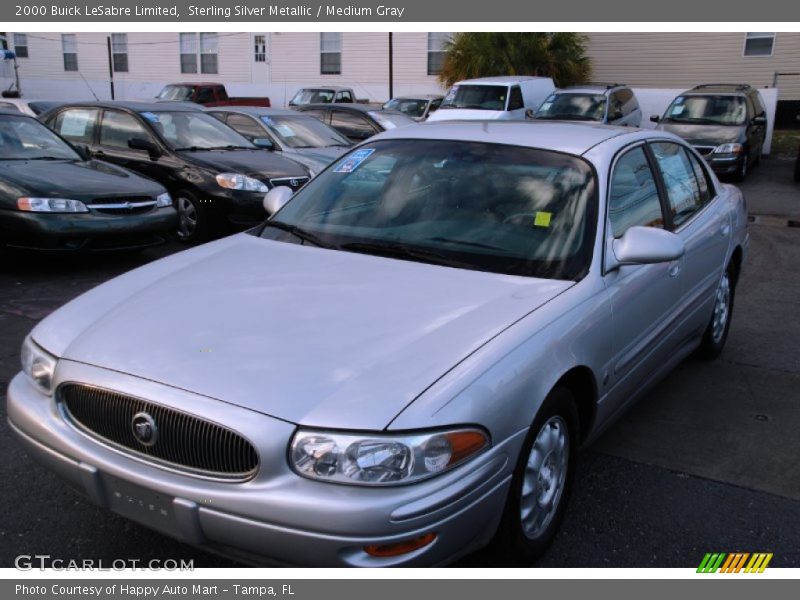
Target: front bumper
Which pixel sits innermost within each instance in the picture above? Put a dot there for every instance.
(91, 231)
(725, 164)
(276, 517)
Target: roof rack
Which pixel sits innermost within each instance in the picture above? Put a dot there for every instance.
(604, 84)
(738, 86)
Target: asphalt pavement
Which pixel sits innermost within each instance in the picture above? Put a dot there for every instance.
(707, 462)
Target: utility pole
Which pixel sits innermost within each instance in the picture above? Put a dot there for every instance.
(391, 66)
(110, 65)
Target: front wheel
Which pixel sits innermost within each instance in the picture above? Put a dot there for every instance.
(193, 219)
(741, 172)
(541, 483)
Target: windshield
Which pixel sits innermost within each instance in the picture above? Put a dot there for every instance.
(311, 96)
(481, 97)
(481, 206)
(407, 106)
(708, 110)
(303, 132)
(390, 120)
(190, 130)
(24, 138)
(175, 92)
(584, 107)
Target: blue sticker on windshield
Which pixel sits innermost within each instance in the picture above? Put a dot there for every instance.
(150, 117)
(352, 162)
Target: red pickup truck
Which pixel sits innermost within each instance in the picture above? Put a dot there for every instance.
(207, 94)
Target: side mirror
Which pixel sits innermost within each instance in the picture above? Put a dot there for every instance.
(264, 143)
(760, 120)
(644, 246)
(83, 151)
(655, 118)
(146, 145)
(530, 113)
(277, 198)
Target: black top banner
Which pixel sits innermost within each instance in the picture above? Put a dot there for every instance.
(685, 11)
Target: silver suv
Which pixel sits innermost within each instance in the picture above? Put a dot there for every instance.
(609, 103)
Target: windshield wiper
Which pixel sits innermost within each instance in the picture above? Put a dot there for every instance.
(298, 232)
(405, 252)
(466, 243)
(231, 147)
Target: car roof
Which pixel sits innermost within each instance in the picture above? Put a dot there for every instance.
(500, 80)
(256, 111)
(334, 88)
(138, 107)
(570, 138)
(733, 89)
(196, 83)
(345, 105)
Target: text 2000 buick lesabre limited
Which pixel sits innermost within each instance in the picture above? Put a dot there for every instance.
(400, 366)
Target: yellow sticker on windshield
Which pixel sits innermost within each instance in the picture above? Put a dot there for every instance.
(542, 219)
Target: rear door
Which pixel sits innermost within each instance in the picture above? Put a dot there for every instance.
(702, 221)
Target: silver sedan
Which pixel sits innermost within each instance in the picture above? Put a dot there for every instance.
(399, 367)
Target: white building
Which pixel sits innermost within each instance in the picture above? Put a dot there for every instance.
(74, 66)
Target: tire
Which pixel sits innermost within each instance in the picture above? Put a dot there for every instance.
(741, 172)
(716, 333)
(527, 529)
(194, 219)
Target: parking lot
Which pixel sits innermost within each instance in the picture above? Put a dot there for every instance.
(706, 462)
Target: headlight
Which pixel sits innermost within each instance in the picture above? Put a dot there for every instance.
(38, 365)
(235, 181)
(380, 459)
(163, 200)
(729, 149)
(51, 205)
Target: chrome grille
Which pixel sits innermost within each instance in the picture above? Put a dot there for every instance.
(123, 206)
(180, 440)
(293, 182)
(705, 150)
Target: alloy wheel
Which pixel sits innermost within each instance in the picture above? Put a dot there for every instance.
(722, 309)
(187, 217)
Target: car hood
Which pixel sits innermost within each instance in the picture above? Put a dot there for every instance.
(315, 158)
(261, 164)
(706, 135)
(308, 335)
(469, 114)
(75, 179)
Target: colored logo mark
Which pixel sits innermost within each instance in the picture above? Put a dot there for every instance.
(744, 562)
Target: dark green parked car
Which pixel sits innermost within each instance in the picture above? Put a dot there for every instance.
(52, 198)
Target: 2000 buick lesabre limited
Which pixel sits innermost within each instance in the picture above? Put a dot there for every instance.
(399, 366)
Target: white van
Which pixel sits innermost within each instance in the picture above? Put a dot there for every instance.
(506, 98)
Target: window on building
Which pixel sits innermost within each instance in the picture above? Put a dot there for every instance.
(208, 53)
(759, 44)
(260, 48)
(69, 47)
(436, 45)
(119, 52)
(330, 48)
(188, 52)
(21, 45)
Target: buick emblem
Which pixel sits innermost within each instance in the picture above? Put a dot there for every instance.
(144, 429)
(293, 182)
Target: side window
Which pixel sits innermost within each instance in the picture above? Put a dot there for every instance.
(246, 126)
(317, 114)
(683, 191)
(751, 110)
(760, 110)
(77, 124)
(434, 105)
(117, 128)
(633, 194)
(351, 125)
(627, 101)
(614, 107)
(515, 101)
(707, 191)
(344, 97)
(205, 95)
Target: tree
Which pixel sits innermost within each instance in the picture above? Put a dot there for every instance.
(558, 55)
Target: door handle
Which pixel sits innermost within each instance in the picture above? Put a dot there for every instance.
(725, 229)
(99, 154)
(674, 268)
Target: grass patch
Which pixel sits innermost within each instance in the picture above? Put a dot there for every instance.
(785, 142)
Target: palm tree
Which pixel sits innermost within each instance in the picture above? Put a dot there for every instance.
(558, 55)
